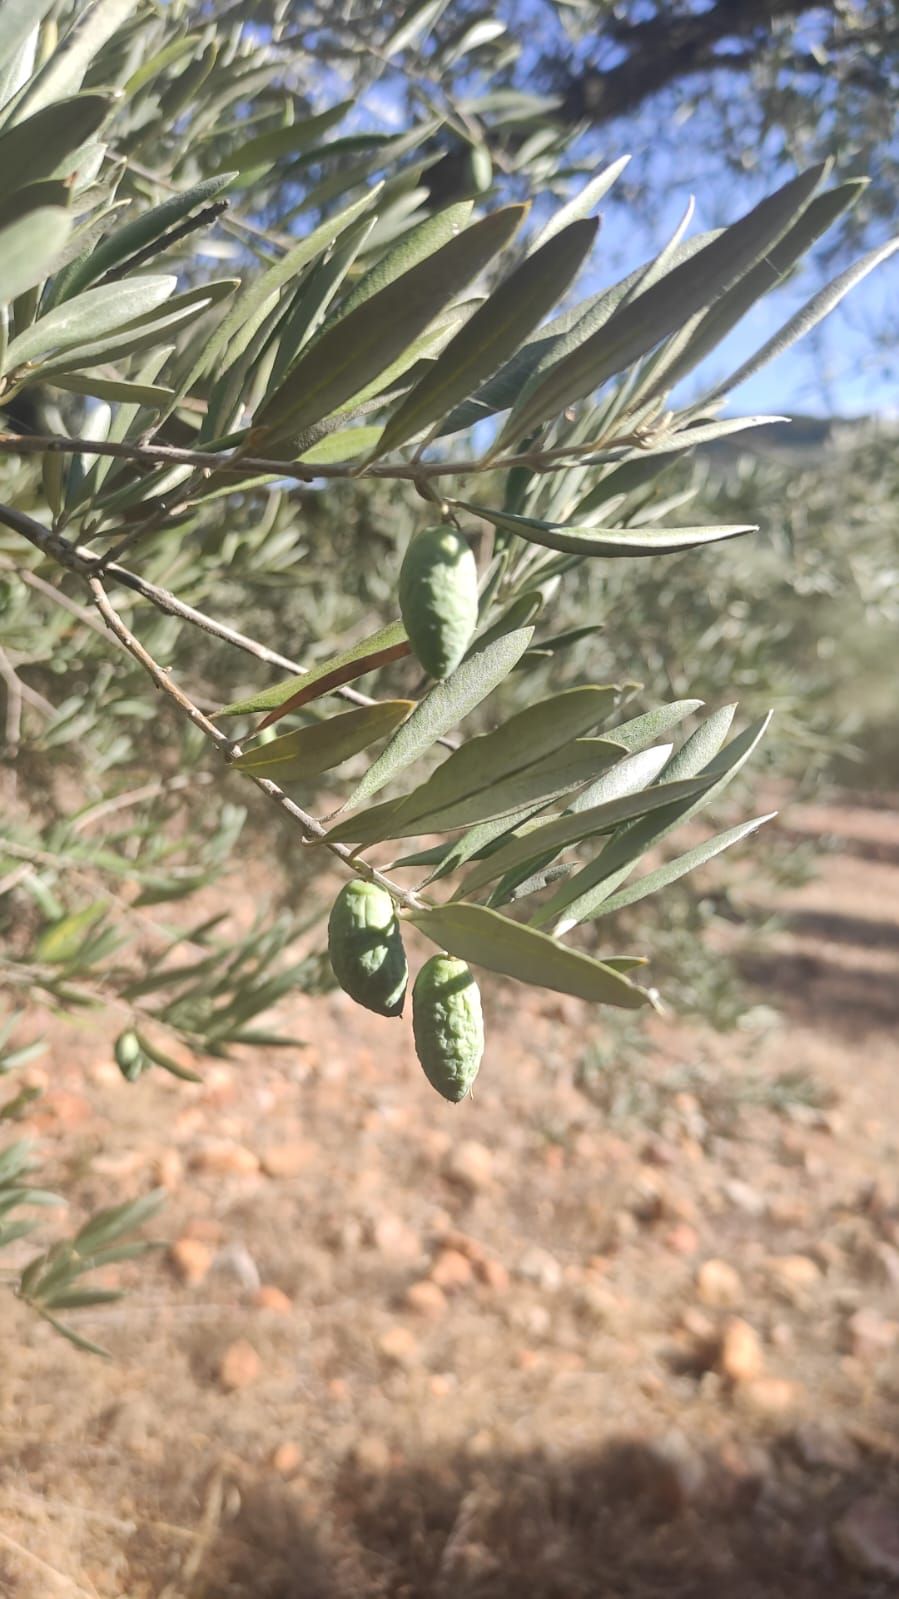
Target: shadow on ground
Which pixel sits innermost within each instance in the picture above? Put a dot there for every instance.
(631, 1522)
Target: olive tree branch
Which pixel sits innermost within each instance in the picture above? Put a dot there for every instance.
(78, 560)
(302, 472)
(312, 830)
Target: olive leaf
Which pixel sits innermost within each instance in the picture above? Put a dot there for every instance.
(130, 237)
(675, 869)
(610, 543)
(649, 318)
(386, 644)
(583, 202)
(471, 773)
(88, 317)
(358, 347)
(571, 829)
(259, 291)
(34, 147)
(413, 247)
(475, 933)
(443, 708)
(564, 769)
(265, 148)
(30, 248)
(578, 899)
(494, 332)
(309, 751)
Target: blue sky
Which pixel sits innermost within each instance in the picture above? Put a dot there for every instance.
(840, 369)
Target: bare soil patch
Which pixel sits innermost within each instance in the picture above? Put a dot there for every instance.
(550, 1343)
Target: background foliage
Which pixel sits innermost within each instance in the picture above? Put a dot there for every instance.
(182, 241)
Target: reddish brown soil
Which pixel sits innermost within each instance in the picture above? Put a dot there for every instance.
(494, 1367)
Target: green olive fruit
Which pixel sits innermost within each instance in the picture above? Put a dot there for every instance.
(366, 948)
(448, 1025)
(438, 592)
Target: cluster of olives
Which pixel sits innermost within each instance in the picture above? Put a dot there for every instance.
(366, 948)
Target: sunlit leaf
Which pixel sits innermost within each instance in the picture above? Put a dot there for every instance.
(30, 248)
(130, 237)
(414, 23)
(583, 202)
(357, 348)
(607, 542)
(578, 899)
(571, 829)
(445, 705)
(495, 331)
(34, 148)
(266, 148)
(415, 246)
(567, 768)
(88, 317)
(118, 389)
(673, 870)
(649, 318)
(813, 312)
(260, 289)
(488, 939)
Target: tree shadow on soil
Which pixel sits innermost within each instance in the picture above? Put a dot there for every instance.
(632, 1521)
(812, 989)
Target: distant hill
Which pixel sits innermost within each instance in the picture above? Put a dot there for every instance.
(803, 439)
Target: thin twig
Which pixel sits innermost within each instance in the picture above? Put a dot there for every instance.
(311, 829)
(165, 242)
(13, 724)
(277, 241)
(136, 796)
(76, 559)
(42, 1565)
(298, 471)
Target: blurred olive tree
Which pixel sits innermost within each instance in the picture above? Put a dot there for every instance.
(264, 390)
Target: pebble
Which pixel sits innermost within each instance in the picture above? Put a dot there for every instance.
(371, 1455)
(426, 1299)
(168, 1169)
(740, 1356)
(681, 1239)
(235, 1260)
(745, 1197)
(395, 1239)
(718, 1284)
(399, 1346)
(268, 1297)
(225, 1160)
(239, 1366)
(871, 1335)
(795, 1275)
(190, 1259)
(697, 1324)
(678, 1475)
(287, 1458)
(493, 1274)
(452, 1270)
(868, 1535)
(599, 1303)
(539, 1266)
(824, 1444)
(470, 1165)
(744, 1468)
(888, 1264)
(770, 1397)
(287, 1160)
